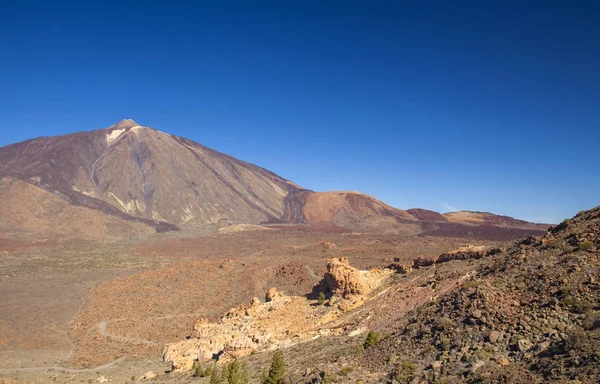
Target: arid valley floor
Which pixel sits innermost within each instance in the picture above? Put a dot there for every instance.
(76, 310)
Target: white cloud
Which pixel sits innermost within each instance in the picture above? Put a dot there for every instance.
(449, 207)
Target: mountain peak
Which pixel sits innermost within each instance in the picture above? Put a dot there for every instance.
(123, 124)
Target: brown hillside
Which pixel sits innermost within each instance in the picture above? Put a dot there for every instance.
(25, 208)
(486, 218)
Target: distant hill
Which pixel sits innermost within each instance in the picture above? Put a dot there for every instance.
(486, 218)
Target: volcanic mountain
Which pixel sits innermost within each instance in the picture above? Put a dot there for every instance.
(156, 179)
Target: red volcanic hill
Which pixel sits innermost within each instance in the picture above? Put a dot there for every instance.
(157, 180)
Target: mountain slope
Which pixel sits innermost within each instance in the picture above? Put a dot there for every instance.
(168, 182)
(531, 314)
(26, 208)
(153, 175)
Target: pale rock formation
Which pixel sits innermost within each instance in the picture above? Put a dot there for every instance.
(280, 322)
(344, 280)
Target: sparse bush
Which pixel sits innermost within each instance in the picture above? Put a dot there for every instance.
(345, 371)
(576, 305)
(552, 243)
(482, 355)
(584, 345)
(321, 298)
(586, 245)
(445, 342)
(564, 290)
(443, 324)
(472, 284)
(406, 371)
(372, 339)
(592, 321)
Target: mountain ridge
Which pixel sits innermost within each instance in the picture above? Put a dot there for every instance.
(168, 182)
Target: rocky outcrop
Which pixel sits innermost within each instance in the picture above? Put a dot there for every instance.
(467, 252)
(279, 322)
(343, 280)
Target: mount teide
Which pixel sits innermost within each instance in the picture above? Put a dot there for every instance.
(140, 174)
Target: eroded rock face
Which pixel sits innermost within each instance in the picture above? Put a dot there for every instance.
(344, 280)
(279, 322)
(234, 336)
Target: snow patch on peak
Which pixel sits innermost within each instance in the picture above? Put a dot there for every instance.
(114, 135)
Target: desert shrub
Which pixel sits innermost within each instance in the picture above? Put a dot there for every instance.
(472, 284)
(586, 245)
(445, 342)
(562, 226)
(276, 372)
(576, 305)
(564, 290)
(443, 324)
(482, 355)
(345, 371)
(321, 298)
(372, 339)
(552, 243)
(584, 345)
(406, 371)
(592, 321)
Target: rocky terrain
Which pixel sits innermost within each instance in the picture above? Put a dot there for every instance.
(530, 314)
(279, 322)
(527, 312)
(78, 309)
(444, 311)
(152, 178)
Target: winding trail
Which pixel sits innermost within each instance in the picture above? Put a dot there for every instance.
(62, 369)
(312, 273)
(104, 324)
(102, 329)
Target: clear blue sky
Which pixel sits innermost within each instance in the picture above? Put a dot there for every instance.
(477, 105)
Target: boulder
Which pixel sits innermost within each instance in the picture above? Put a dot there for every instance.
(524, 345)
(343, 280)
(494, 336)
(404, 269)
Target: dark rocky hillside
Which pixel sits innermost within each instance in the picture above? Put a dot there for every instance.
(531, 314)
